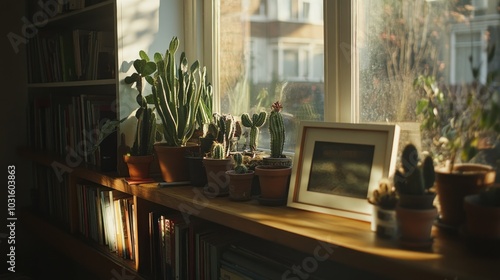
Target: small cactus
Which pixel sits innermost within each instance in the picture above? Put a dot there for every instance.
(385, 196)
(218, 151)
(276, 130)
(414, 178)
(254, 124)
(239, 168)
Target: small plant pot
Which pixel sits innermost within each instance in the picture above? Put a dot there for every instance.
(240, 185)
(138, 166)
(274, 182)
(415, 227)
(482, 227)
(217, 179)
(384, 222)
(452, 188)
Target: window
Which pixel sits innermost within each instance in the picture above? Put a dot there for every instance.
(348, 61)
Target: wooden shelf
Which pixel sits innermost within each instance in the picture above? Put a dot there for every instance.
(352, 242)
(74, 83)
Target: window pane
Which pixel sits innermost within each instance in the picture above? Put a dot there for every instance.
(265, 57)
(399, 40)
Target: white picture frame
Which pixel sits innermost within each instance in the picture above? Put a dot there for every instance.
(337, 166)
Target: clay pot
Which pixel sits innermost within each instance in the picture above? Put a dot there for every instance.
(217, 179)
(274, 181)
(452, 188)
(173, 163)
(138, 166)
(482, 227)
(240, 185)
(415, 226)
(481, 221)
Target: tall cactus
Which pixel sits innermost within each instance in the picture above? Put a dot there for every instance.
(239, 168)
(218, 151)
(177, 91)
(276, 130)
(254, 124)
(146, 119)
(414, 178)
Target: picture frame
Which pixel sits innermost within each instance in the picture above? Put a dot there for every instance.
(338, 165)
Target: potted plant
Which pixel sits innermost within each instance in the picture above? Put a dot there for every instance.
(240, 180)
(176, 94)
(459, 123)
(216, 163)
(274, 174)
(141, 154)
(482, 221)
(415, 212)
(384, 200)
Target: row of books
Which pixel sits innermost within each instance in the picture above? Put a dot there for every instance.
(107, 217)
(183, 247)
(73, 126)
(70, 56)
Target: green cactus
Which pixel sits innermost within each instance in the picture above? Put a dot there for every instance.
(276, 130)
(177, 94)
(414, 178)
(222, 129)
(254, 124)
(217, 151)
(146, 119)
(239, 168)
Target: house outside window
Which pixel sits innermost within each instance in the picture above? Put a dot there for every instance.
(350, 61)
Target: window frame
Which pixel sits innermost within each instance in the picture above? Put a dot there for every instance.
(202, 35)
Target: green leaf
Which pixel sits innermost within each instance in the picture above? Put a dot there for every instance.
(143, 55)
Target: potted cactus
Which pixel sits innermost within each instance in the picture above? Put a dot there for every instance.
(240, 180)
(216, 163)
(274, 174)
(482, 221)
(384, 200)
(415, 212)
(177, 91)
(139, 158)
(277, 137)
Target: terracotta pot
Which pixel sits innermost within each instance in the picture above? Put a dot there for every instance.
(240, 185)
(481, 221)
(274, 181)
(453, 187)
(415, 226)
(173, 163)
(482, 227)
(138, 166)
(217, 179)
